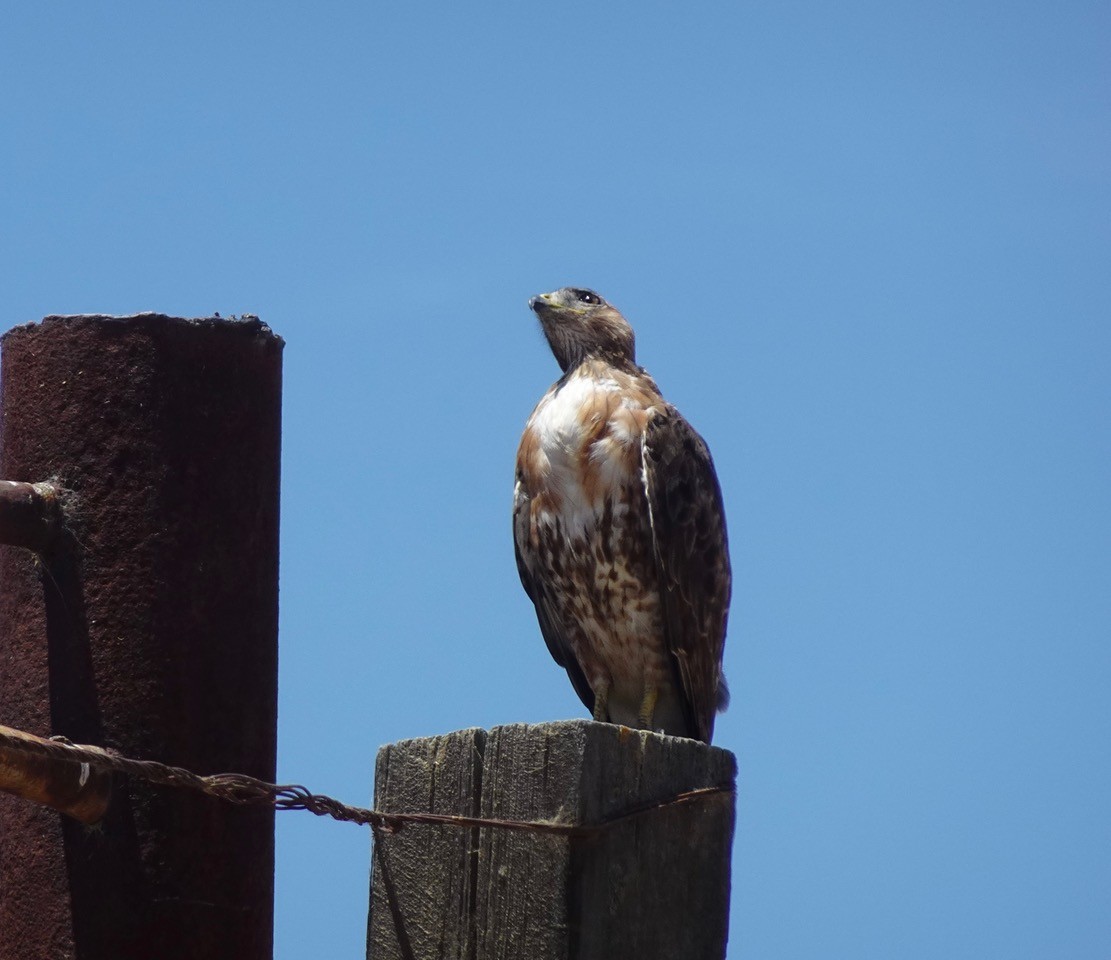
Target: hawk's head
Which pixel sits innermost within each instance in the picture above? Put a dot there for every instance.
(579, 324)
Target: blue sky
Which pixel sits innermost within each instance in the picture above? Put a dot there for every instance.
(865, 247)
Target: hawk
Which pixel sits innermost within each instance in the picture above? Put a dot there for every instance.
(619, 530)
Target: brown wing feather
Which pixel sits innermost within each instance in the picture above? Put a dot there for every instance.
(692, 560)
(538, 592)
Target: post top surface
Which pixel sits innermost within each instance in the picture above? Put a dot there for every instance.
(613, 736)
(244, 323)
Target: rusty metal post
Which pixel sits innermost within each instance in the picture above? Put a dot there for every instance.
(149, 626)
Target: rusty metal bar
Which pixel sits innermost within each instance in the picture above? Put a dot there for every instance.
(30, 514)
(70, 787)
(147, 625)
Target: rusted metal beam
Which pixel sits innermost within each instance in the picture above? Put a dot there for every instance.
(147, 625)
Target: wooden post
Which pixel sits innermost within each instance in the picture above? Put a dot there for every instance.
(654, 884)
(148, 624)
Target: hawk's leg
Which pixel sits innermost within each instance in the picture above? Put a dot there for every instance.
(647, 707)
(601, 702)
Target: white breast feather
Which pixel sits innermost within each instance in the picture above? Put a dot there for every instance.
(556, 419)
(561, 435)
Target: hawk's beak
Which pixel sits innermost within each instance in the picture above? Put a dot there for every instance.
(541, 300)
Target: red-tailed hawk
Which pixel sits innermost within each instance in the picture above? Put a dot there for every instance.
(620, 531)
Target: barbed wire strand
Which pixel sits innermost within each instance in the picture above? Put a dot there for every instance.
(238, 788)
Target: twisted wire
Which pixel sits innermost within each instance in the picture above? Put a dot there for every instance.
(238, 788)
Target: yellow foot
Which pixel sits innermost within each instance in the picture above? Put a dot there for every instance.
(648, 707)
(601, 704)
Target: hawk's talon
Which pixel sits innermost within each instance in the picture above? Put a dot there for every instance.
(648, 707)
(601, 705)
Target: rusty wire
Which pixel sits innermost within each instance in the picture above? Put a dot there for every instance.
(238, 788)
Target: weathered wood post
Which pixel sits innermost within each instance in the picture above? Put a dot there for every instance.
(149, 626)
(653, 884)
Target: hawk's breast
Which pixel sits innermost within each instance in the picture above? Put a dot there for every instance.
(582, 443)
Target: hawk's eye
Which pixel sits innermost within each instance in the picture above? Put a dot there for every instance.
(587, 296)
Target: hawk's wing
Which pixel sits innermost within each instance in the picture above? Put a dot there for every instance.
(692, 560)
(538, 593)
